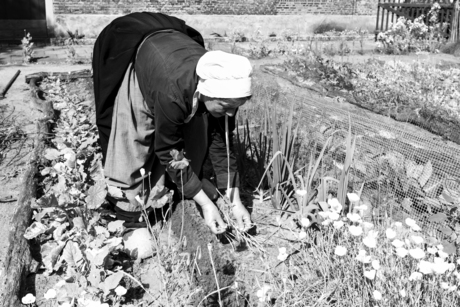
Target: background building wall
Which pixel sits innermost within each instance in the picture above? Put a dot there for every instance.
(218, 7)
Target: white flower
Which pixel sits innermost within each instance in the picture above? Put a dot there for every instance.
(142, 172)
(417, 253)
(324, 214)
(335, 205)
(354, 217)
(415, 276)
(367, 225)
(425, 267)
(444, 285)
(376, 264)
(361, 257)
(377, 295)
(353, 197)
(282, 254)
(402, 292)
(410, 222)
(390, 233)
(28, 299)
(301, 193)
(442, 254)
(452, 288)
(302, 235)
(334, 216)
(440, 247)
(370, 274)
(401, 252)
(120, 291)
(417, 239)
(50, 294)
(431, 250)
(338, 224)
(416, 228)
(264, 294)
(305, 222)
(371, 239)
(355, 230)
(440, 266)
(340, 251)
(399, 225)
(397, 243)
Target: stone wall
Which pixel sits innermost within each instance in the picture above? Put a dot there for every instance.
(218, 7)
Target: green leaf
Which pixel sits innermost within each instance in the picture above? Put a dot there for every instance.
(47, 201)
(96, 195)
(116, 226)
(72, 254)
(51, 154)
(95, 276)
(35, 230)
(438, 217)
(111, 282)
(446, 230)
(426, 174)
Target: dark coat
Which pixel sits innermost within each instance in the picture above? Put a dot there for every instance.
(114, 49)
(166, 70)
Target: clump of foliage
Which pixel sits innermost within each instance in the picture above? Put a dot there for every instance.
(328, 26)
(78, 235)
(10, 134)
(406, 36)
(73, 39)
(27, 45)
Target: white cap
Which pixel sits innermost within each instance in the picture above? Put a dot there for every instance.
(224, 75)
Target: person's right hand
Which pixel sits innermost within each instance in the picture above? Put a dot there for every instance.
(213, 219)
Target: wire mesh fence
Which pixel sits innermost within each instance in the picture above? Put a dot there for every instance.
(401, 169)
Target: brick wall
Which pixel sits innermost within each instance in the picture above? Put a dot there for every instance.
(216, 7)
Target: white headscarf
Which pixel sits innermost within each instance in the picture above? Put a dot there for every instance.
(224, 75)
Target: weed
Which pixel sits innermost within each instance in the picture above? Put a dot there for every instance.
(74, 38)
(27, 45)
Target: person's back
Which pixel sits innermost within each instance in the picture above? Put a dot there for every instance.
(165, 65)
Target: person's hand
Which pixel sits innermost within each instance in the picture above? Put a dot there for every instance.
(213, 218)
(241, 214)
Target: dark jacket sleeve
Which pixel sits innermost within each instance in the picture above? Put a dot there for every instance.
(169, 121)
(218, 152)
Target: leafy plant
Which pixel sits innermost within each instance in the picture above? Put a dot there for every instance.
(27, 45)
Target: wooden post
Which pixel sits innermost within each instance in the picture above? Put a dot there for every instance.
(454, 35)
(377, 20)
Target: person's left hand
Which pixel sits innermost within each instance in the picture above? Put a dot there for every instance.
(241, 214)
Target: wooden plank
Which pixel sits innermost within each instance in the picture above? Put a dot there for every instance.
(64, 76)
(377, 19)
(388, 20)
(18, 263)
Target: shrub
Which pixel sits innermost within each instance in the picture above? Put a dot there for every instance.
(328, 26)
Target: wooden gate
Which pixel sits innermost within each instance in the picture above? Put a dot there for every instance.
(388, 11)
(17, 15)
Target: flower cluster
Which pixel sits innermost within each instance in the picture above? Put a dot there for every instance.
(424, 33)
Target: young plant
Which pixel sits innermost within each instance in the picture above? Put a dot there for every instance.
(27, 44)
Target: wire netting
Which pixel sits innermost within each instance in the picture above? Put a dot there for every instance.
(401, 169)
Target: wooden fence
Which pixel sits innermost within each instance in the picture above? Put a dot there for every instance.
(388, 11)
